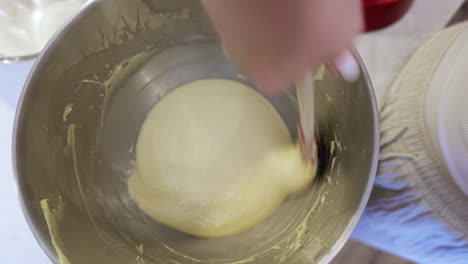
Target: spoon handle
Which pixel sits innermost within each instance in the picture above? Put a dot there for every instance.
(305, 90)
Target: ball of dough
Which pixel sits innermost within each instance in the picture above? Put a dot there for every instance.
(214, 158)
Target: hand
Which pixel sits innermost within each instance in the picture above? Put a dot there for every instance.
(277, 41)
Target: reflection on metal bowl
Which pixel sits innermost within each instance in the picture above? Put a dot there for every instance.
(80, 114)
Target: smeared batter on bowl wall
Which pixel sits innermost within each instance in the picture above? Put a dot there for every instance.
(214, 158)
(296, 238)
(51, 217)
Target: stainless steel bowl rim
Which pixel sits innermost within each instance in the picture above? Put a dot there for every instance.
(49, 50)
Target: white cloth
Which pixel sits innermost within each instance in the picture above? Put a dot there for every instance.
(404, 216)
(416, 210)
(385, 52)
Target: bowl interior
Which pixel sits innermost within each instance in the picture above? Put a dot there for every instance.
(79, 119)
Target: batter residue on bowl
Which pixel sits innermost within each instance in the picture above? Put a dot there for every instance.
(214, 158)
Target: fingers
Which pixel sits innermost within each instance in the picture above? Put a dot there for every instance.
(276, 42)
(263, 37)
(331, 26)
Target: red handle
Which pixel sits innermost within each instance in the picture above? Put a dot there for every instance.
(379, 14)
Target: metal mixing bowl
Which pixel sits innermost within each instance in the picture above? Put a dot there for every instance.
(80, 114)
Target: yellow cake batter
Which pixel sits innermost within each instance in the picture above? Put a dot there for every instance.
(214, 158)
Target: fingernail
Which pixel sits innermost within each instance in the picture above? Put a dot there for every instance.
(226, 54)
(347, 66)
